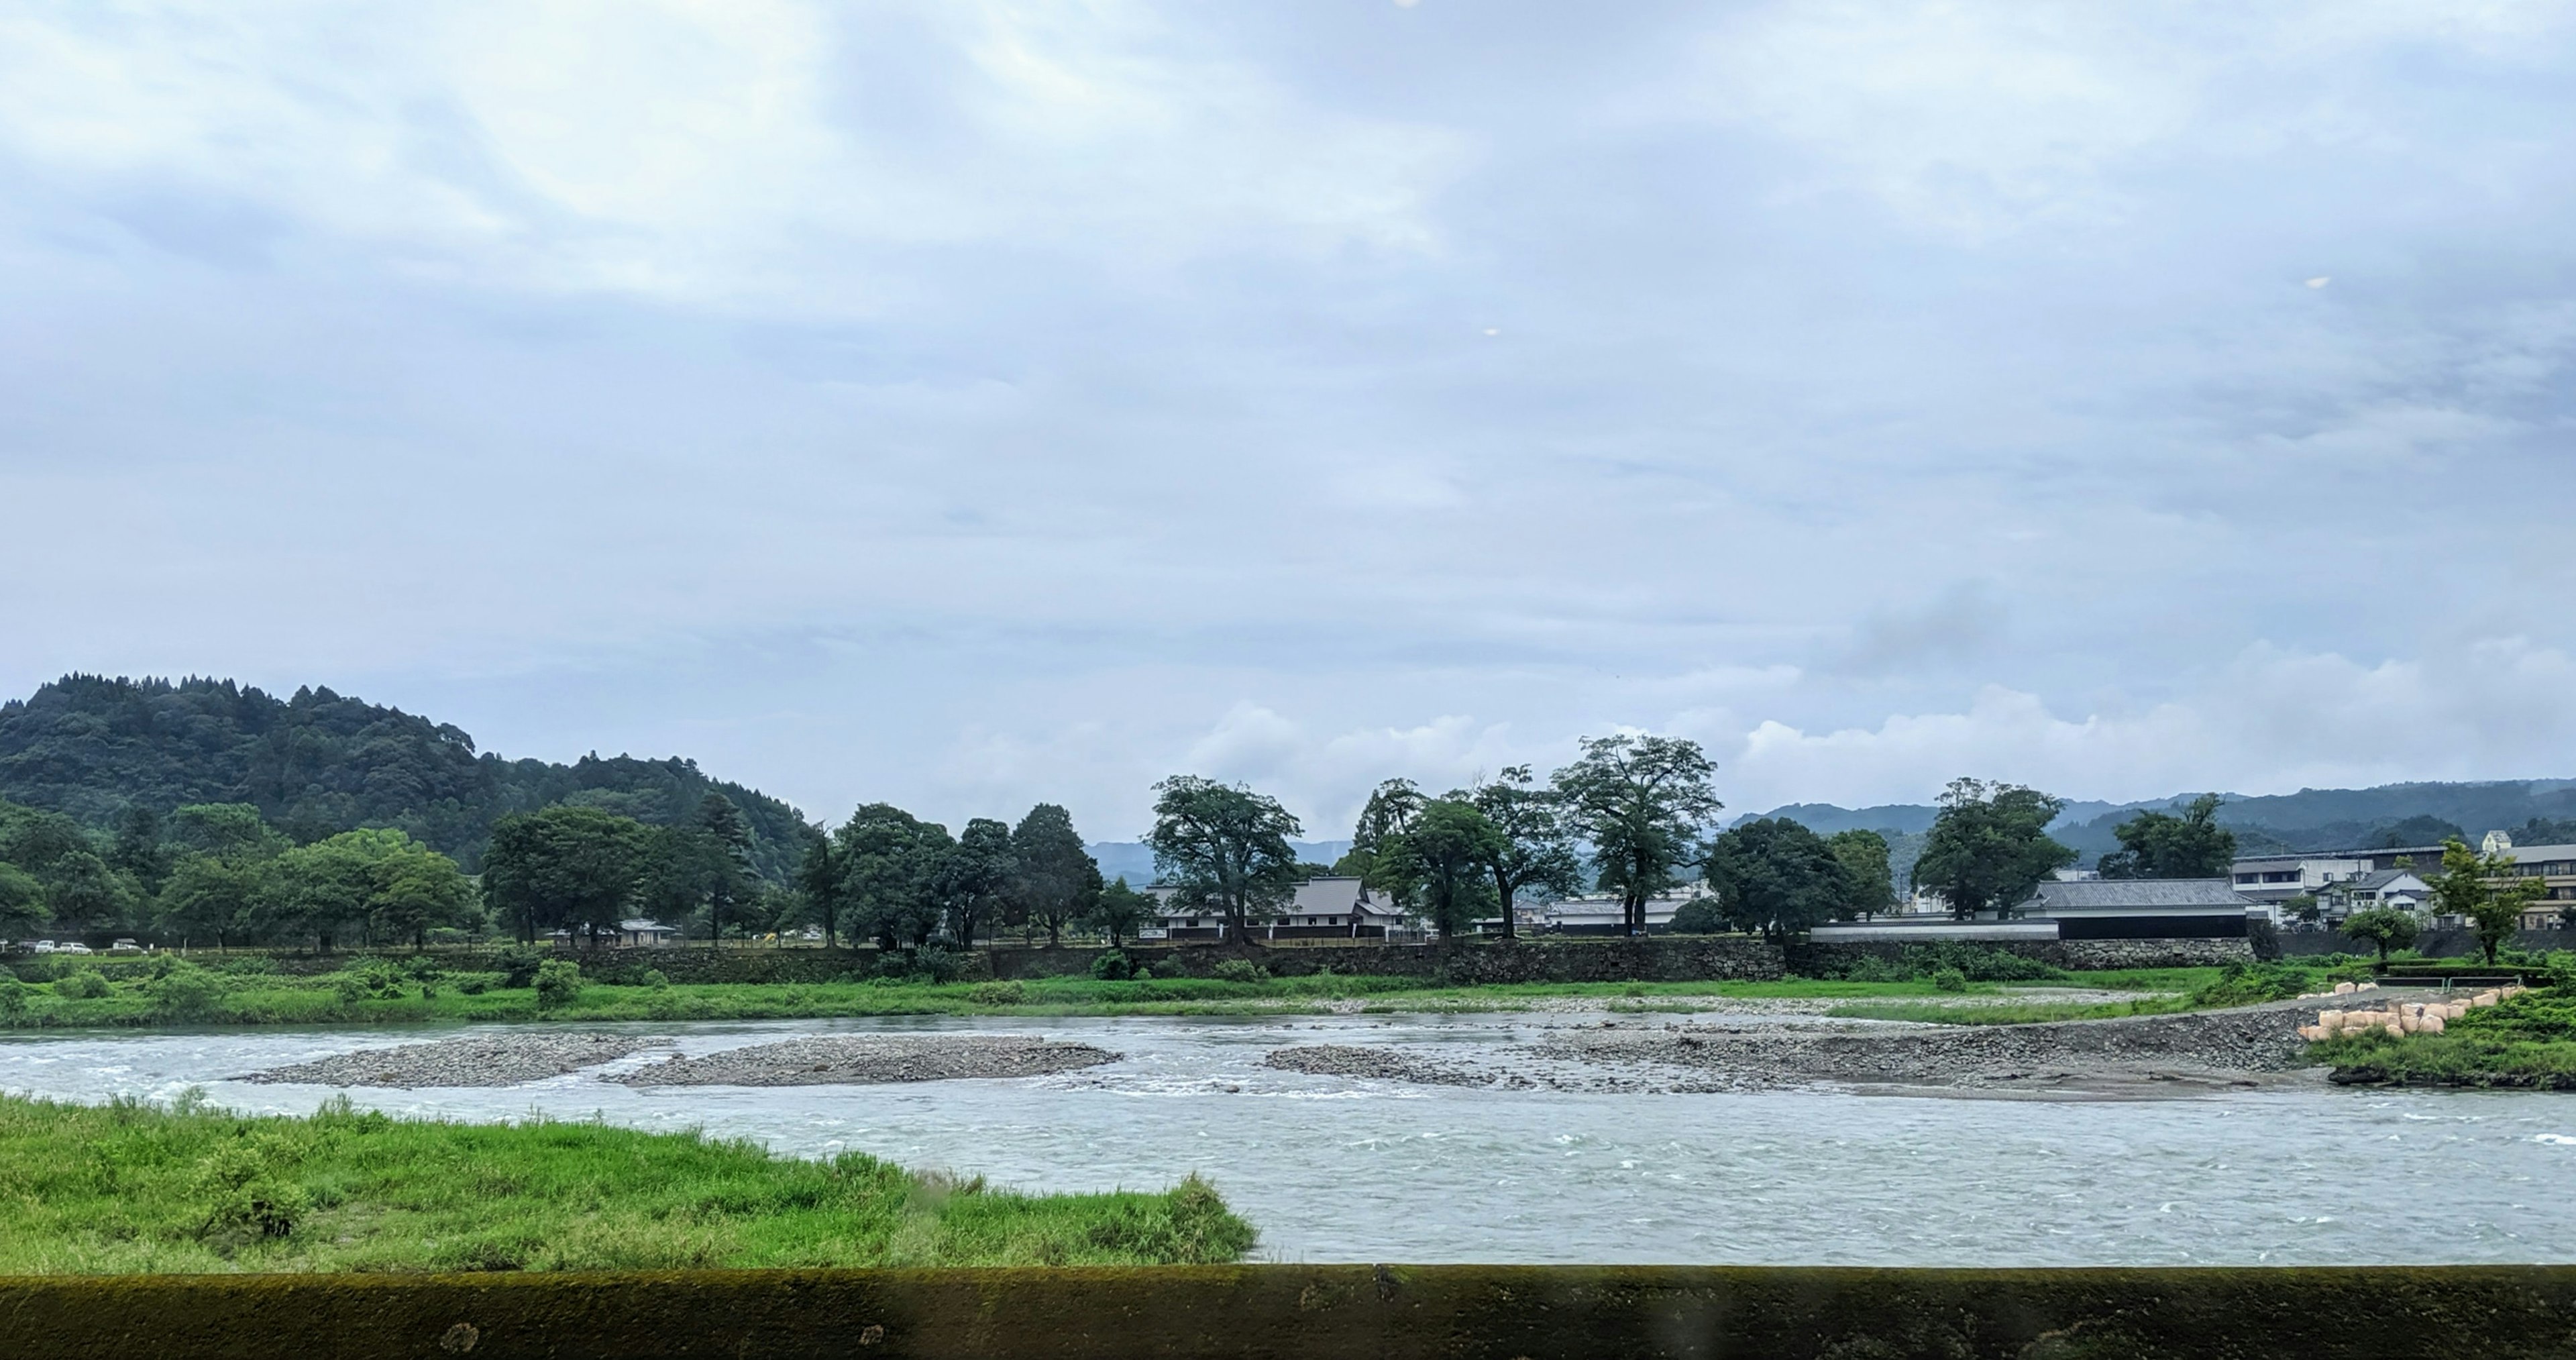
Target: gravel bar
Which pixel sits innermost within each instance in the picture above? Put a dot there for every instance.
(869, 1061)
(1380, 1064)
(479, 1060)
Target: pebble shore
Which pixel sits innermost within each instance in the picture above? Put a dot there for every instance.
(870, 1061)
(508, 1059)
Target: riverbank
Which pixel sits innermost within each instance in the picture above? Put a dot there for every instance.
(128, 1187)
(2524, 1042)
(378, 995)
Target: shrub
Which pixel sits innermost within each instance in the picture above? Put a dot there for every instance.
(246, 965)
(349, 987)
(474, 986)
(1113, 966)
(519, 964)
(13, 997)
(2244, 984)
(654, 979)
(1241, 970)
(245, 1197)
(1949, 980)
(997, 994)
(87, 984)
(1143, 973)
(187, 992)
(558, 982)
(937, 964)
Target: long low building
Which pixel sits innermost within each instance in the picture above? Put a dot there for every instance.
(1332, 907)
(2143, 909)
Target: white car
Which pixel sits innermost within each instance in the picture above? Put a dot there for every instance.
(75, 947)
(40, 946)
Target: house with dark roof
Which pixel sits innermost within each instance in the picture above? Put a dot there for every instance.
(2143, 909)
(1329, 907)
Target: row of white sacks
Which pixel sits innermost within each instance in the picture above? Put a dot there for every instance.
(2402, 1017)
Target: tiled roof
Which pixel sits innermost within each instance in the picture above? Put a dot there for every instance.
(2135, 894)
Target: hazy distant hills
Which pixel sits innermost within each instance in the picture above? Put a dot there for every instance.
(1134, 861)
(2311, 819)
(316, 763)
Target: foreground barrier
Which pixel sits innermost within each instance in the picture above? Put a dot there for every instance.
(2495, 1313)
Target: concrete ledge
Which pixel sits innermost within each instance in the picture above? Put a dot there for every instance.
(2495, 1313)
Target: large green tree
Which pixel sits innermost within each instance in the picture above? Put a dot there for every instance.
(1775, 876)
(376, 878)
(1118, 911)
(1055, 879)
(1864, 856)
(2488, 891)
(2386, 927)
(887, 860)
(1643, 803)
(2160, 845)
(1534, 848)
(1224, 850)
(1389, 812)
(571, 867)
(1439, 861)
(22, 902)
(974, 879)
(1989, 846)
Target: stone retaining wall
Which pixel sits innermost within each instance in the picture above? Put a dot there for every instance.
(1811, 959)
(1375, 1311)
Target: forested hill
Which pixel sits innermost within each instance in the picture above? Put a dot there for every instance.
(320, 763)
(2311, 819)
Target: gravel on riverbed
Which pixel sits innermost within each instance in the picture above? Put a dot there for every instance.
(869, 1061)
(1381, 1064)
(509, 1059)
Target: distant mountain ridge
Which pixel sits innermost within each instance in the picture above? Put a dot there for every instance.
(319, 762)
(2311, 819)
(1134, 860)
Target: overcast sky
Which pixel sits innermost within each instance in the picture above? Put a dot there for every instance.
(965, 404)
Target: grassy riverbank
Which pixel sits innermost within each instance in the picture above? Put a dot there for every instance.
(131, 1188)
(2174, 990)
(2526, 1041)
(377, 994)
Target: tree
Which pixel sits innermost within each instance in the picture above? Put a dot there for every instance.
(887, 859)
(574, 867)
(974, 878)
(2304, 909)
(22, 902)
(2161, 845)
(1441, 857)
(222, 876)
(1642, 802)
(1775, 876)
(1873, 877)
(1533, 848)
(2489, 891)
(1989, 846)
(1056, 879)
(1118, 911)
(1391, 808)
(724, 876)
(818, 880)
(81, 890)
(418, 890)
(1224, 849)
(138, 850)
(224, 829)
(2386, 927)
(376, 877)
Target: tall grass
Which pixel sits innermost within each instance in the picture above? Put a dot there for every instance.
(129, 1187)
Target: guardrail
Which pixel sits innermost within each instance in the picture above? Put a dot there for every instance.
(1538, 1312)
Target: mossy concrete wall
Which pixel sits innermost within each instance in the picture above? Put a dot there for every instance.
(1361, 1312)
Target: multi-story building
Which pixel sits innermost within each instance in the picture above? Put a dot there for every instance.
(2274, 879)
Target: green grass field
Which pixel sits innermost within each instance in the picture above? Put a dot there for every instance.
(132, 1188)
(213, 997)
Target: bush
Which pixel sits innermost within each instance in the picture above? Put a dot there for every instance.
(1143, 973)
(87, 984)
(474, 986)
(187, 992)
(1698, 917)
(519, 964)
(2244, 984)
(246, 965)
(1949, 980)
(1113, 966)
(935, 964)
(997, 994)
(655, 980)
(1924, 962)
(1241, 970)
(13, 998)
(558, 982)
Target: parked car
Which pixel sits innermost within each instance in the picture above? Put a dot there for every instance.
(125, 947)
(75, 947)
(40, 946)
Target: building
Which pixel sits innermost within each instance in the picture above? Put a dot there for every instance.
(2404, 889)
(2278, 878)
(1930, 930)
(643, 934)
(1331, 907)
(1605, 914)
(2143, 909)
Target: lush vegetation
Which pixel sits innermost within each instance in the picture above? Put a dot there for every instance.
(131, 1188)
(2175, 989)
(2527, 1040)
(1989, 847)
(243, 991)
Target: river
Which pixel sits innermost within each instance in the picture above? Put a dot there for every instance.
(1337, 1169)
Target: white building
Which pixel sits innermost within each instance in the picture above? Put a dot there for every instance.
(1332, 907)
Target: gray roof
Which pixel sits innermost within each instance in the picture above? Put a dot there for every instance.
(2377, 879)
(2136, 894)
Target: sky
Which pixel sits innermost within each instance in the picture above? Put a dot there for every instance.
(964, 404)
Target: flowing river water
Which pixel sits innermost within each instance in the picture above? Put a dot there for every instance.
(1343, 1169)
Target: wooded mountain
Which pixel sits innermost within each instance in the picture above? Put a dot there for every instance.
(2311, 819)
(320, 763)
